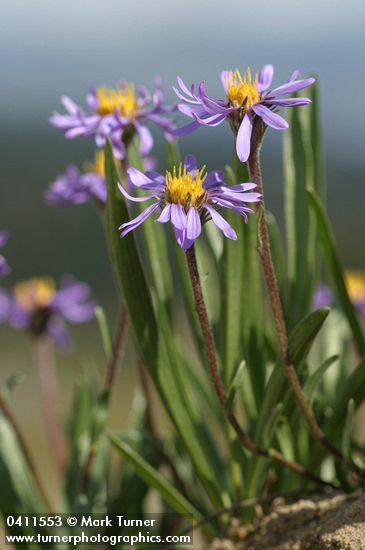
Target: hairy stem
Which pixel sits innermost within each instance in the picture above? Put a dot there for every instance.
(254, 167)
(49, 398)
(216, 379)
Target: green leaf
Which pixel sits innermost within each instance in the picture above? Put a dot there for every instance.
(352, 388)
(271, 424)
(152, 240)
(133, 489)
(285, 438)
(302, 168)
(251, 296)
(80, 437)
(277, 254)
(18, 494)
(236, 381)
(230, 326)
(104, 331)
(314, 380)
(149, 340)
(301, 339)
(126, 261)
(300, 342)
(209, 276)
(347, 431)
(335, 269)
(155, 480)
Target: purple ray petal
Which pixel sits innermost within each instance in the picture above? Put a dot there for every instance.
(213, 106)
(70, 105)
(165, 214)
(221, 223)
(289, 102)
(193, 224)
(183, 98)
(291, 87)
(184, 88)
(133, 224)
(182, 239)
(179, 132)
(294, 75)
(191, 110)
(190, 163)
(213, 120)
(133, 199)
(73, 133)
(143, 181)
(145, 140)
(178, 216)
(271, 119)
(58, 332)
(265, 77)
(242, 186)
(243, 142)
(213, 179)
(224, 78)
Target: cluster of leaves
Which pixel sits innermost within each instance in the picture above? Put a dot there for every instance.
(204, 467)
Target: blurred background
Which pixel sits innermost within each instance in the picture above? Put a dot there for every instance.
(52, 48)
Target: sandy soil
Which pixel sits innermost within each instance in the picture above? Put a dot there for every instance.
(323, 523)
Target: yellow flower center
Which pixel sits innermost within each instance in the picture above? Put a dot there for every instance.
(98, 166)
(242, 92)
(122, 98)
(186, 188)
(355, 283)
(35, 293)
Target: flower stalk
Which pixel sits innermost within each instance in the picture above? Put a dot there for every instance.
(49, 397)
(264, 250)
(216, 379)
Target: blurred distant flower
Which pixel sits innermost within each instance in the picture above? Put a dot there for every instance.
(4, 267)
(245, 100)
(323, 296)
(37, 306)
(355, 284)
(116, 113)
(76, 187)
(189, 197)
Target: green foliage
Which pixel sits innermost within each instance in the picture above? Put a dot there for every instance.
(302, 169)
(196, 464)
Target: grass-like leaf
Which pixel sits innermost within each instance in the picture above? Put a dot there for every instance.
(302, 168)
(335, 269)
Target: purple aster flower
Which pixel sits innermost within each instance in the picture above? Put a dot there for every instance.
(76, 187)
(116, 113)
(355, 284)
(37, 306)
(189, 197)
(245, 100)
(4, 267)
